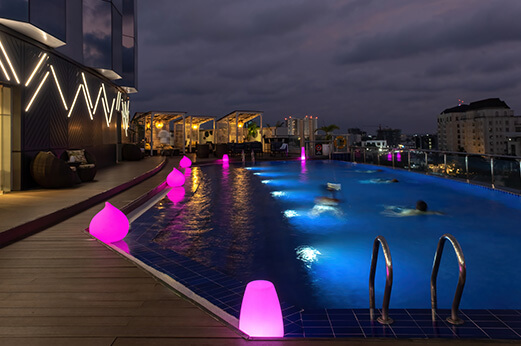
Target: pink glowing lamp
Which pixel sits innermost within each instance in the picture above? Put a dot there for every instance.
(176, 194)
(261, 315)
(398, 157)
(123, 246)
(302, 153)
(175, 178)
(109, 225)
(185, 162)
(226, 159)
(390, 156)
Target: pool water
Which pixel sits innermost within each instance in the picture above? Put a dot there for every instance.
(262, 222)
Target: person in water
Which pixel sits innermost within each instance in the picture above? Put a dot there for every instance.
(421, 209)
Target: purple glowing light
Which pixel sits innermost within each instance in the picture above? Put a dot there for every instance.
(123, 246)
(399, 156)
(185, 162)
(176, 194)
(260, 314)
(226, 159)
(109, 225)
(390, 156)
(302, 153)
(175, 178)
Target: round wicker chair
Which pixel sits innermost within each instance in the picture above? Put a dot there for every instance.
(51, 172)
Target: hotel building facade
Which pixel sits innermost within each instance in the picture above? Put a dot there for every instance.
(67, 68)
(482, 127)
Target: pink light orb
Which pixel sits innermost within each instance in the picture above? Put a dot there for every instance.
(185, 162)
(390, 156)
(260, 314)
(226, 159)
(175, 178)
(302, 153)
(188, 172)
(398, 157)
(123, 246)
(176, 194)
(109, 225)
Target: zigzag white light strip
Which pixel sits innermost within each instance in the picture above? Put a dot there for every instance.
(9, 62)
(97, 100)
(75, 98)
(86, 88)
(59, 89)
(5, 71)
(37, 91)
(118, 102)
(87, 99)
(36, 69)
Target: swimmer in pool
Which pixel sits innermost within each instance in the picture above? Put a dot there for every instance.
(421, 209)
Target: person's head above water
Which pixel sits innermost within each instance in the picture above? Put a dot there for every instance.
(421, 205)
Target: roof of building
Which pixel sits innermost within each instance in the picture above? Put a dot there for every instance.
(482, 104)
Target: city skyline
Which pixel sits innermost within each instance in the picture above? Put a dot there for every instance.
(353, 63)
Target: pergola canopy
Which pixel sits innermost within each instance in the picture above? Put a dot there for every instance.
(159, 116)
(230, 124)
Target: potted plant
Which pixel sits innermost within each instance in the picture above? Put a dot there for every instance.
(327, 129)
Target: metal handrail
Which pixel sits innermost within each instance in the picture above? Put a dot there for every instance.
(384, 319)
(453, 319)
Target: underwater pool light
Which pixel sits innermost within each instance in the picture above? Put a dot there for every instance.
(185, 162)
(175, 178)
(290, 213)
(109, 225)
(261, 315)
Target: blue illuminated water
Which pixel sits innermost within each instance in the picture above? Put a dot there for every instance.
(261, 222)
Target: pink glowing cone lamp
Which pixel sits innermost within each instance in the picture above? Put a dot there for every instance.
(226, 159)
(185, 162)
(398, 157)
(302, 154)
(261, 315)
(176, 195)
(175, 178)
(390, 156)
(109, 225)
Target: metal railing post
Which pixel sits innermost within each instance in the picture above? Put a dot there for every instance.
(384, 319)
(453, 319)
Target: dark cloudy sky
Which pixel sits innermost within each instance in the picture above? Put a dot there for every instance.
(354, 63)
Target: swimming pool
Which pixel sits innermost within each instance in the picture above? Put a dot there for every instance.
(261, 222)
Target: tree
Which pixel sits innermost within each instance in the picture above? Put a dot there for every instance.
(277, 125)
(328, 129)
(253, 130)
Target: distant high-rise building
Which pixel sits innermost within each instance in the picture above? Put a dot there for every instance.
(391, 136)
(482, 127)
(427, 142)
(309, 124)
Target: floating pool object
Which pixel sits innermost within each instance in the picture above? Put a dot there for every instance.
(226, 159)
(302, 153)
(260, 314)
(176, 194)
(175, 178)
(185, 162)
(109, 225)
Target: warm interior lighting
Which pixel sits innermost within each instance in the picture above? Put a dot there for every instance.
(37, 91)
(109, 225)
(240, 125)
(185, 162)
(9, 63)
(159, 125)
(175, 178)
(59, 88)
(35, 69)
(261, 315)
(194, 127)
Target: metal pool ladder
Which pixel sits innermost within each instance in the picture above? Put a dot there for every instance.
(384, 319)
(453, 319)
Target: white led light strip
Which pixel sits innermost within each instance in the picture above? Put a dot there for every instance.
(9, 63)
(58, 86)
(37, 91)
(35, 69)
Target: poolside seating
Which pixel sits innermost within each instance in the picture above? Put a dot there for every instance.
(131, 152)
(49, 171)
(279, 148)
(84, 162)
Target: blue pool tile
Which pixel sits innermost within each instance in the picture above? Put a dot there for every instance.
(502, 312)
(504, 333)
(398, 323)
(315, 317)
(315, 324)
(510, 318)
(409, 332)
(348, 330)
(379, 332)
(473, 333)
(490, 324)
(318, 332)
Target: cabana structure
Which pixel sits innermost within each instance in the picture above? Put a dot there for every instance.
(155, 121)
(186, 130)
(230, 128)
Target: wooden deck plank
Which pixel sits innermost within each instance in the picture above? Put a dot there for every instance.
(56, 341)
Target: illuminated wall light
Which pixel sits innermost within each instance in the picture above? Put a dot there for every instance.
(110, 114)
(35, 69)
(59, 89)
(37, 91)
(159, 125)
(118, 102)
(261, 315)
(86, 90)
(9, 62)
(5, 71)
(85, 93)
(97, 100)
(74, 101)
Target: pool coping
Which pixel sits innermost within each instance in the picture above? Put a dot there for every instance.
(482, 324)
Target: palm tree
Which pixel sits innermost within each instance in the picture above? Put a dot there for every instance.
(253, 130)
(328, 129)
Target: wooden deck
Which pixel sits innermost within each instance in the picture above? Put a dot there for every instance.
(61, 287)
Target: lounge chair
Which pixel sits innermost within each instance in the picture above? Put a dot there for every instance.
(86, 168)
(51, 172)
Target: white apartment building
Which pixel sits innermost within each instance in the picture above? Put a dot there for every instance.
(482, 127)
(309, 124)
